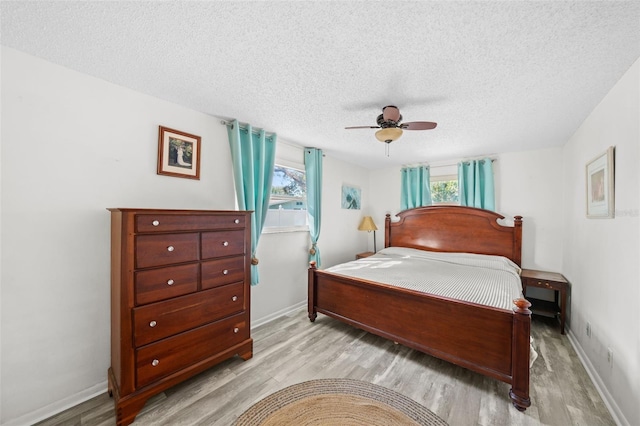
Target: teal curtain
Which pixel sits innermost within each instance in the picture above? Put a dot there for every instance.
(313, 169)
(253, 156)
(475, 184)
(415, 187)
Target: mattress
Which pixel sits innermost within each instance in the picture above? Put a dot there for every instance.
(482, 279)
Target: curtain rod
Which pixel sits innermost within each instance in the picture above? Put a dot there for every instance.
(229, 123)
(462, 161)
(448, 165)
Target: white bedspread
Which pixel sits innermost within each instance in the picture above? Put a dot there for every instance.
(482, 279)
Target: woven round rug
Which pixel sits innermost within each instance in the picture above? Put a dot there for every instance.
(343, 402)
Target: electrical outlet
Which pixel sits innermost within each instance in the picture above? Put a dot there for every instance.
(610, 357)
(588, 329)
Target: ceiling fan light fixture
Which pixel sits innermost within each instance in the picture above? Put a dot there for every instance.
(389, 134)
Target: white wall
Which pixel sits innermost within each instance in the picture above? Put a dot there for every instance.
(601, 255)
(340, 239)
(72, 146)
(384, 200)
(288, 273)
(284, 257)
(527, 184)
(1, 313)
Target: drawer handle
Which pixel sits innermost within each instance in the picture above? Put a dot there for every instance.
(236, 221)
(152, 324)
(170, 282)
(234, 298)
(225, 272)
(225, 243)
(155, 362)
(155, 223)
(170, 248)
(236, 330)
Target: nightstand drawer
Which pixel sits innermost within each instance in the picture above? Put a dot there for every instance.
(550, 281)
(534, 282)
(365, 254)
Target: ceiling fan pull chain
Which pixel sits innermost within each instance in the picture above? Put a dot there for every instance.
(386, 148)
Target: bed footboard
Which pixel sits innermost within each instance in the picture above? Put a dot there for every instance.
(311, 292)
(519, 392)
(490, 341)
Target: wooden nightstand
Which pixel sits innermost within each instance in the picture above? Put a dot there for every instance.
(364, 254)
(551, 281)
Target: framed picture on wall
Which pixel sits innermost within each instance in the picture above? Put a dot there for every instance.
(178, 153)
(350, 197)
(600, 185)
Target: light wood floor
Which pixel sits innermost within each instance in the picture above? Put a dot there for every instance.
(291, 349)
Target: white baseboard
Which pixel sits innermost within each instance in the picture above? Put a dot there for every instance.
(278, 314)
(58, 406)
(80, 397)
(617, 415)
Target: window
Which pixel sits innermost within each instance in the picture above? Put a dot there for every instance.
(288, 202)
(444, 189)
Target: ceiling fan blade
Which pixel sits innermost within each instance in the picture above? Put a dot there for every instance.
(391, 113)
(418, 125)
(363, 127)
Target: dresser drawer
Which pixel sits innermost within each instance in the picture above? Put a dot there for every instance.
(222, 271)
(163, 319)
(178, 222)
(222, 243)
(164, 283)
(175, 353)
(158, 250)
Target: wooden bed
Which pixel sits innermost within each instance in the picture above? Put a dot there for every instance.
(491, 341)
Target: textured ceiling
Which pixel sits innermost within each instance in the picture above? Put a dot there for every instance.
(496, 76)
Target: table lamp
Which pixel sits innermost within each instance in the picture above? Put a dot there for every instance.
(368, 225)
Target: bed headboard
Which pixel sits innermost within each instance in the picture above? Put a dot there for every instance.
(455, 229)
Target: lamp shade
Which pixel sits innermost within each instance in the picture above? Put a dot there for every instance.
(389, 134)
(367, 224)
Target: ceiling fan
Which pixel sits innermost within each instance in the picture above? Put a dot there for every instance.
(389, 123)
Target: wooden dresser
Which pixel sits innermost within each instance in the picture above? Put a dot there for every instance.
(180, 292)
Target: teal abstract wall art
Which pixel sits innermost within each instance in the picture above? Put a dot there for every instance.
(351, 197)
